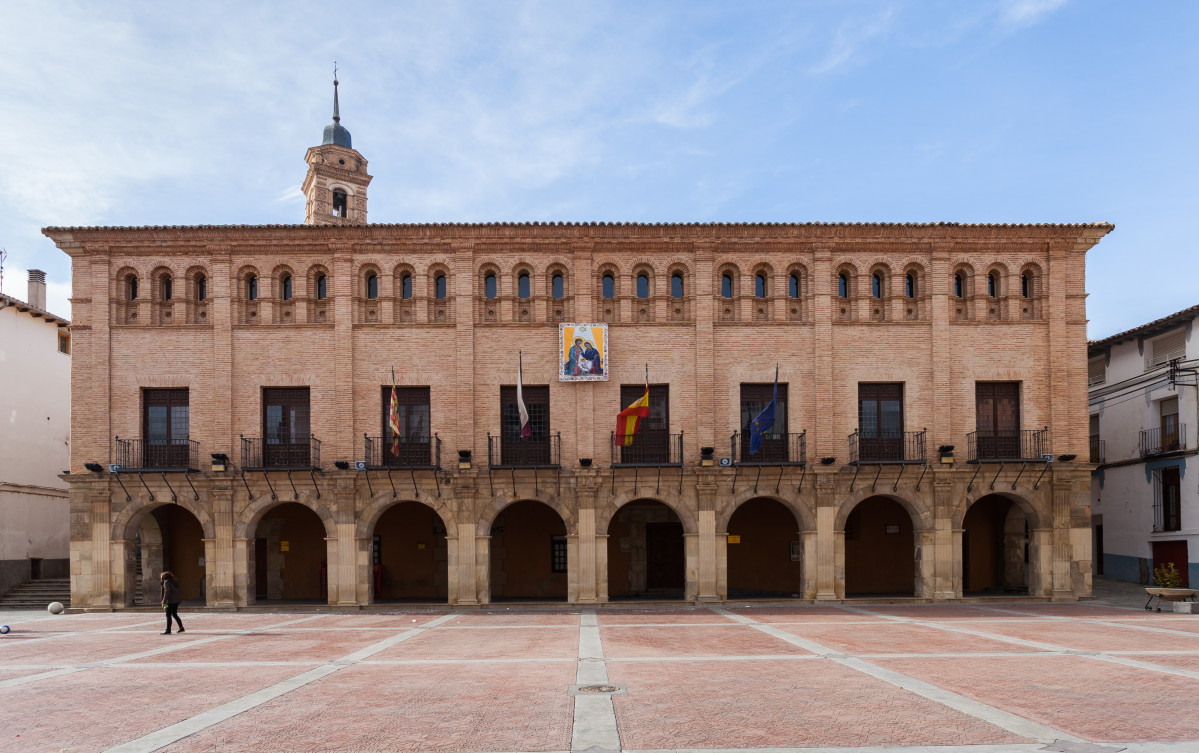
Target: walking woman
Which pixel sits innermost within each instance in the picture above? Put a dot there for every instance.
(170, 600)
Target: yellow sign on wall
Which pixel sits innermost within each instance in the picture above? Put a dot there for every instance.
(284, 546)
(734, 538)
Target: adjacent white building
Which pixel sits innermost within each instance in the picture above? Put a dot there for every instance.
(1144, 407)
(35, 430)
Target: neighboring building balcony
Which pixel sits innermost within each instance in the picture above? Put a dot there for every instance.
(403, 452)
(776, 449)
(158, 454)
(514, 452)
(303, 452)
(1158, 442)
(880, 446)
(997, 446)
(647, 447)
(1097, 450)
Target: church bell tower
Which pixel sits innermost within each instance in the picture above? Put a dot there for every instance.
(335, 187)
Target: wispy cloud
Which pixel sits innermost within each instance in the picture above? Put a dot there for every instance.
(851, 38)
(1027, 12)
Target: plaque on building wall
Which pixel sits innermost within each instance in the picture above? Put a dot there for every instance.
(583, 352)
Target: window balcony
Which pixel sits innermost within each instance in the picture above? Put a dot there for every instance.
(403, 452)
(880, 446)
(1097, 450)
(1159, 442)
(514, 452)
(776, 449)
(1004, 445)
(302, 452)
(157, 454)
(652, 447)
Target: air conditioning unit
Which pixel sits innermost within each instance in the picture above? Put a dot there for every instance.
(115, 467)
(360, 465)
(726, 461)
(1047, 458)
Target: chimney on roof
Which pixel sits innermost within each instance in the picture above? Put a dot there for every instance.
(37, 289)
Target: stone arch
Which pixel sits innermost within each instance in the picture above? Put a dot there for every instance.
(397, 279)
(125, 526)
(1021, 497)
(556, 268)
(316, 271)
(382, 502)
(603, 518)
(734, 273)
(277, 276)
(435, 270)
(651, 274)
(254, 512)
(365, 270)
(157, 279)
(804, 517)
(683, 270)
(922, 517)
(501, 501)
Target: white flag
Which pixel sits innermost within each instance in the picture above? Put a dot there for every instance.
(526, 431)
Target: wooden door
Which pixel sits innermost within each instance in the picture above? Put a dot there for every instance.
(664, 555)
(285, 433)
(536, 449)
(997, 406)
(165, 429)
(413, 446)
(1172, 551)
(880, 421)
(652, 441)
(754, 399)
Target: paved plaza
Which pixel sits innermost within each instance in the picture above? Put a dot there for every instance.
(987, 678)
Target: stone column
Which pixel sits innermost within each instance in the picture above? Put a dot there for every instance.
(926, 564)
(1040, 561)
(347, 546)
(584, 553)
(707, 589)
(691, 578)
(601, 566)
(364, 580)
(811, 564)
(245, 586)
(946, 571)
(101, 585)
(332, 584)
(124, 573)
(829, 555)
(219, 558)
(480, 547)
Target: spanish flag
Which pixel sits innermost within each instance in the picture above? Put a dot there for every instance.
(629, 419)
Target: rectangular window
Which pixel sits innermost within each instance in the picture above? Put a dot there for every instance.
(1096, 447)
(536, 449)
(754, 398)
(1166, 348)
(413, 445)
(165, 417)
(64, 343)
(1096, 371)
(285, 428)
(1169, 424)
(880, 421)
(1167, 489)
(652, 441)
(997, 420)
(557, 554)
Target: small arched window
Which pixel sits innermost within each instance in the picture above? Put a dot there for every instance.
(252, 287)
(166, 287)
(339, 203)
(522, 285)
(909, 285)
(201, 287)
(131, 288)
(992, 284)
(406, 286)
(286, 287)
(557, 286)
(439, 287)
(372, 285)
(608, 286)
(642, 286)
(760, 285)
(322, 287)
(842, 286)
(676, 285)
(726, 285)
(489, 290)
(1025, 285)
(959, 285)
(876, 285)
(793, 286)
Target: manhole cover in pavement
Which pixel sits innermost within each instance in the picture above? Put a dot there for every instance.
(598, 688)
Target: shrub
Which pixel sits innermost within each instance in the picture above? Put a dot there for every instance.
(1166, 576)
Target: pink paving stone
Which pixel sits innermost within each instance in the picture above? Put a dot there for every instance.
(81, 623)
(487, 643)
(99, 708)
(83, 649)
(396, 621)
(673, 617)
(1178, 661)
(801, 614)
(515, 618)
(1181, 624)
(699, 640)
(1065, 610)
(12, 674)
(1096, 700)
(931, 612)
(1091, 636)
(268, 646)
(785, 704)
(370, 708)
(897, 638)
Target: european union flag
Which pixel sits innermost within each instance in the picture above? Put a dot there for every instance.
(764, 421)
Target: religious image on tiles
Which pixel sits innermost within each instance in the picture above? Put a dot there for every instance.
(584, 352)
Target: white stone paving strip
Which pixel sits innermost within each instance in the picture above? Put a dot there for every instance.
(998, 717)
(595, 717)
(178, 731)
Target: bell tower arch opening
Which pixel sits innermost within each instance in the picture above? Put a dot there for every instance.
(335, 187)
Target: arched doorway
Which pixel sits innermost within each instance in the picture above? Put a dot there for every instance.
(409, 556)
(880, 549)
(290, 555)
(169, 537)
(646, 552)
(764, 551)
(994, 547)
(528, 553)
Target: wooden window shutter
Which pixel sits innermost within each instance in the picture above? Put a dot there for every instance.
(1168, 347)
(1096, 371)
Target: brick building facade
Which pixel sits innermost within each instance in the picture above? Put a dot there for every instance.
(275, 345)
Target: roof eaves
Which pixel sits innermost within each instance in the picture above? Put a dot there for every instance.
(1157, 324)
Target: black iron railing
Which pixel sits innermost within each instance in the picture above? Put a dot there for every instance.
(883, 446)
(647, 447)
(1007, 444)
(302, 452)
(403, 452)
(776, 449)
(158, 454)
(1159, 441)
(1097, 449)
(503, 452)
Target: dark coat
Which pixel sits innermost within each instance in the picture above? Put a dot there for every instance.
(170, 592)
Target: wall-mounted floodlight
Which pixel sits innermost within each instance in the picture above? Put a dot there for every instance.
(342, 465)
(1066, 458)
(585, 462)
(94, 467)
(827, 461)
(464, 460)
(705, 456)
(220, 461)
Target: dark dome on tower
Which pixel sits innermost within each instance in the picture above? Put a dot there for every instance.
(335, 132)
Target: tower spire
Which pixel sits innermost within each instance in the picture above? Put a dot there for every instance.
(336, 114)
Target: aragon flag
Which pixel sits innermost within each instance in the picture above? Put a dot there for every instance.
(393, 418)
(629, 419)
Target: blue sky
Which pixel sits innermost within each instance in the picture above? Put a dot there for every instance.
(981, 111)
